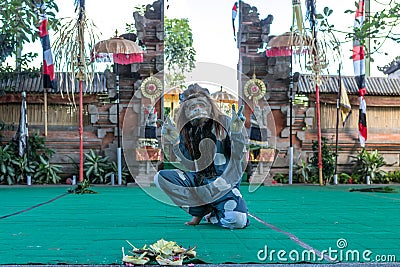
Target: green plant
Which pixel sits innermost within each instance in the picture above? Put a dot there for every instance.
(82, 188)
(328, 161)
(7, 171)
(379, 27)
(36, 162)
(114, 170)
(46, 173)
(369, 164)
(344, 178)
(356, 178)
(281, 178)
(303, 170)
(21, 168)
(37, 148)
(393, 176)
(96, 167)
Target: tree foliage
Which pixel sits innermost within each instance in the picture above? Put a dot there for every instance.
(178, 49)
(378, 27)
(19, 22)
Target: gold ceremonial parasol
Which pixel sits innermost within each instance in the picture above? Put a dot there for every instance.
(117, 45)
(289, 39)
(223, 97)
(124, 51)
(225, 100)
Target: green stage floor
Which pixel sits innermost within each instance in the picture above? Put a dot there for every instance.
(289, 224)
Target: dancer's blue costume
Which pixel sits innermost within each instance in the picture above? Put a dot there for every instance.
(219, 194)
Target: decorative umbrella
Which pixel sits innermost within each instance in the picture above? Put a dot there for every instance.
(124, 52)
(286, 44)
(223, 97)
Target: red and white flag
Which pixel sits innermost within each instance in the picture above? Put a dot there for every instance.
(359, 73)
(49, 80)
(234, 14)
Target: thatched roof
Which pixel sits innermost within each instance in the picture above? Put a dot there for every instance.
(32, 83)
(379, 86)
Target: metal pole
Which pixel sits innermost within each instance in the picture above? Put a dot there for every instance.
(29, 181)
(291, 118)
(319, 134)
(239, 43)
(337, 124)
(119, 156)
(45, 112)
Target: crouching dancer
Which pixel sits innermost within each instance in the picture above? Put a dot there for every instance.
(210, 146)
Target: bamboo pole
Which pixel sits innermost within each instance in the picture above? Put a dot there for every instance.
(317, 99)
(368, 40)
(81, 78)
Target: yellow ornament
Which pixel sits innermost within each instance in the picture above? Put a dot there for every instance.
(254, 89)
(151, 88)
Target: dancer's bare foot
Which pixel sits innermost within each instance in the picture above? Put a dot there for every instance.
(194, 221)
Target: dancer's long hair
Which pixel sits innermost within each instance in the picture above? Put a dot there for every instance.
(193, 134)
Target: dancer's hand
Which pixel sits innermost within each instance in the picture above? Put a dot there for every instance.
(238, 119)
(169, 131)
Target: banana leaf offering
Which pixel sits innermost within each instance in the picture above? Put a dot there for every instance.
(162, 252)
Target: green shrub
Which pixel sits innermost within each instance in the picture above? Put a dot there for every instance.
(7, 171)
(303, 171)
(46, 173)
(369, 164)
(393, 176)
(36, 162)
(328, 162)
(95, 167)
(114, 170)
(281, 178)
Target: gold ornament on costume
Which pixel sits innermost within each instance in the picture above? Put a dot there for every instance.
(254, 89)
(151, 88)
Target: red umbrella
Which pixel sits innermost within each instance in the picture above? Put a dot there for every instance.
(123, 52)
